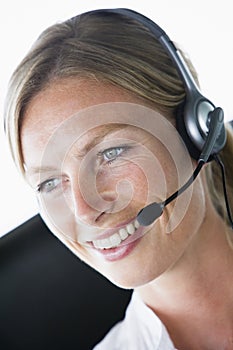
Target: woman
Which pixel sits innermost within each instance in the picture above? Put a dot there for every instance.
(91, 118)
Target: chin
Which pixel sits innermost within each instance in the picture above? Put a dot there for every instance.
(130, 280)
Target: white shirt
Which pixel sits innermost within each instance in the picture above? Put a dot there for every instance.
(141, 329)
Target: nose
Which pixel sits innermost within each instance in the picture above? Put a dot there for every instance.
(88, 204)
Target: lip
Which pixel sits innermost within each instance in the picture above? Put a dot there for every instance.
(111, 231)
(124, 248)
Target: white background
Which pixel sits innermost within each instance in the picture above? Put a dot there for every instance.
(203, 28)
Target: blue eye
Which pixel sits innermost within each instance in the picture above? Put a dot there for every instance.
(111, 154)
(48, 185)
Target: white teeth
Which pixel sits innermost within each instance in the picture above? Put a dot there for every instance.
(136, 224)
(115, 240)
(123, 233)
(130, 229)
(105, 243)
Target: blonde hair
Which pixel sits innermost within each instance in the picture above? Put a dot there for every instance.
(118, 50)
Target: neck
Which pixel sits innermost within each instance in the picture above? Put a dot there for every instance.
(198, 287)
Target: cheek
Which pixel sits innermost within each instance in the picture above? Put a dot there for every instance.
(63, 226)
(134, 184)
(142, 179)
(128, 180)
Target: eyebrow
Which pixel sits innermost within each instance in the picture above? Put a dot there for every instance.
(108, 130)
(44, 169)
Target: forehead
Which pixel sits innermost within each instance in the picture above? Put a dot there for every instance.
(60, 100)
(68, 109)
(57, 102)
(63, 98)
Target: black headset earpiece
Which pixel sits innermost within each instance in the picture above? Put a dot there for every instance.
(193, 119)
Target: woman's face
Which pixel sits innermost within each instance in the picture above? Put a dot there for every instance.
(96, 155)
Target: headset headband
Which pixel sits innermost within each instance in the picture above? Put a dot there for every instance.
(193, 124)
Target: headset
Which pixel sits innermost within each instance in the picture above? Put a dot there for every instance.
(199, 122)
(194, 120)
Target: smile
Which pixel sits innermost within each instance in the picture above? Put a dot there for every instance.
(115, 240)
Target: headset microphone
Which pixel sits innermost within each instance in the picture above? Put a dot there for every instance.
(154, 210)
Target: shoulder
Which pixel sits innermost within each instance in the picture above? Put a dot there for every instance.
(140, 330)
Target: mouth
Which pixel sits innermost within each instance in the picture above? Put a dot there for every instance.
(117, 237)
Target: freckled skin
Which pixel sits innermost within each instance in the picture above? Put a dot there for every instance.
(157, 251)
(178, 272)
